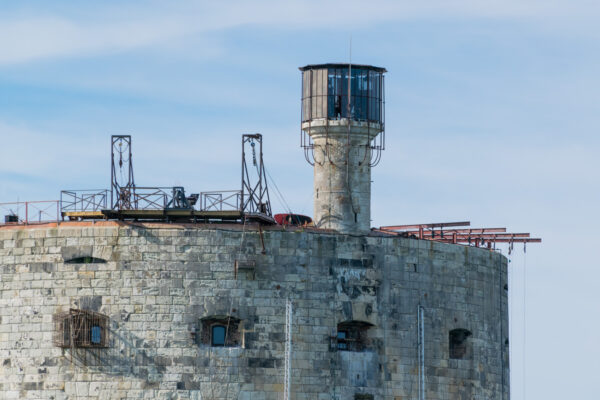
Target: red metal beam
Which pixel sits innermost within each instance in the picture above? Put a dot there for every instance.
(450, 231)
(499, 240)
(428, 235)
(472, 236)
(426, 226)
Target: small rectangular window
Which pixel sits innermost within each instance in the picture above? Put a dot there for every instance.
(218, 335)
(220, 331)
(352, 335)
(342, 344)
(458, 343)
(96, 334)
(81, 328)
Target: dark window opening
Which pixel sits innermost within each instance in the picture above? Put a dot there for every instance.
(220, 331)
(85, 260)
(352, 336)
(342, 344)
(337, 108)
(80, 328)
(363, 396)
(459, 345)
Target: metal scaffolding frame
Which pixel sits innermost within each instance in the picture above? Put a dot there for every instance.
(456, 233)
(255, 192)
(121, 188)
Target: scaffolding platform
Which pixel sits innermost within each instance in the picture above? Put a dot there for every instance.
(170, 215)
(77, 215)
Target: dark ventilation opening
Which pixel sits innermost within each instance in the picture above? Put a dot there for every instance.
(85, 260)
(458, 342)
(352, 336)
(220, 331)
(363, 396)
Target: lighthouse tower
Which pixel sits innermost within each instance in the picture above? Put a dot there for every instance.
(343, 134)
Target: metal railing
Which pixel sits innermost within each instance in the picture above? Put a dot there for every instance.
(152, 198)
(83, 200)
(30, 212)
(149, 198)
(220, 200)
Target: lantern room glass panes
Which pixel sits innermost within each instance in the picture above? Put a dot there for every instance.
(325, 94)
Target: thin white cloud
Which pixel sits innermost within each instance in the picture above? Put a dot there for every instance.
(36, 38)
(46, 35)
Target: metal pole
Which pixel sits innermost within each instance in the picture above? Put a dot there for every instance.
(243, 171)
(112, 172)
(261, 173)
(288, 350)
(131, 178)
(421, 349)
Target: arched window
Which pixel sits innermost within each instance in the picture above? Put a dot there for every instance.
(352, 336)
(220, 331)
(458, 343)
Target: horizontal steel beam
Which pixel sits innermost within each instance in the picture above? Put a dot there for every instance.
(426, 235)
(425, 226)
(450, 231)
(498, 240)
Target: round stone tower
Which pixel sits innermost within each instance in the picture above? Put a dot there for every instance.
(343, 135)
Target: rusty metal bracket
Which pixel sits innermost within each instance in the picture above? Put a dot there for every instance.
(262, 240)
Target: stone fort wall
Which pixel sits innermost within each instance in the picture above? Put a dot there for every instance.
(160, 280)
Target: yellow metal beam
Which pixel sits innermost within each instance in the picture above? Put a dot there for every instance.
(83, 214)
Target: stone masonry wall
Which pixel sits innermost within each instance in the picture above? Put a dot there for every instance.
(342, 175)
(159, 281)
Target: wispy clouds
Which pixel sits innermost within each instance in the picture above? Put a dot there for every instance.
(43, 37)
(46, 33)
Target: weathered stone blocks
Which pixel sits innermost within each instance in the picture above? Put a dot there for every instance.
(157, 283)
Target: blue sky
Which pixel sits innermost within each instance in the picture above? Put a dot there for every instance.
(492, 116)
